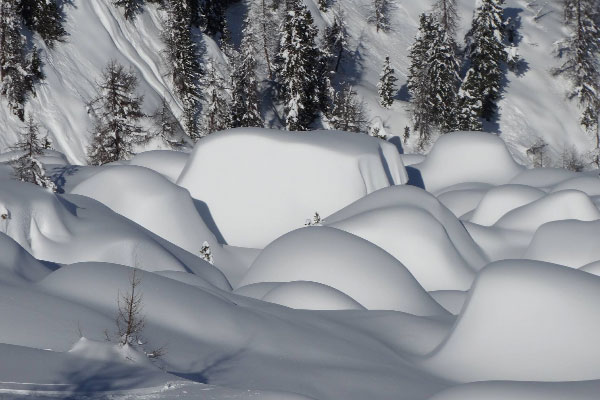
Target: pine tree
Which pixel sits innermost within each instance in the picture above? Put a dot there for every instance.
(44, 17)
(213, 12)
(182, 54)
(335, 41)
(433, 79)
(165, 125)
(245, 96)
(379, 15)
(323, 5)
(347, 113)
(263, 27)
(582, 66)
(469, 104)
(117, 112)
(486, 52)
(27, 167)
(299, 72)
(218, 113)
(131, 8)
(387, 85)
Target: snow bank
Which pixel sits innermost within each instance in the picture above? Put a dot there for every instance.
(467, 157)
(502, 199)
(543, 177)
(165, 162)
(570, 243)
(310, 296)
(590, 185)
(345, 262)
(566, 204)
(271, 182)
(16, 265)
(524, 321)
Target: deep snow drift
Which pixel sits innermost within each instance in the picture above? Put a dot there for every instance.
(479, 285)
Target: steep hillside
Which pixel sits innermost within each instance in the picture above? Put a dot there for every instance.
(533, 106)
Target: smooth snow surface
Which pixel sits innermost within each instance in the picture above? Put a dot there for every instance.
(271, 182)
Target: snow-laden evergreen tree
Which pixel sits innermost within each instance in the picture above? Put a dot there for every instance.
(335, 41)
(213, 12)
(387, 84)
(182, 54)
(323, 5)
(486, 53)
(299, 68)
(117, 112)
(217, 115)
(44, 17)
(15, 71)
(165, 125)
(581, 52)
(245, 107)
(469, 105)
(380, 14)
(131, 8)
(27, 167)
(206, 253)
(433, 79)
(347, 112)
(447, 14)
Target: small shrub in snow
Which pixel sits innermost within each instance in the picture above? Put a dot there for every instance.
(206, 253)
(315, 221)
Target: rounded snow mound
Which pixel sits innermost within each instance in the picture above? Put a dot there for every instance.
(345, 262)
(525, 321)
(502, 199)
(589, 185)
(271, 182)
(166, 162)
(543, 177)
(16, 265)
(468, 157)
(570, 243)
(563, 205)
(152, 201)
(403, 220)
(302, 295)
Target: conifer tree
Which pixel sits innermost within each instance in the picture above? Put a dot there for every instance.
(486, 52)
(218, 113)
(44, 17)
(447, 15)
(27, 167)
(323, 5)
(15, 73)
(299, 67)
(263, 27)
(213, 12)
(117, 112)
(469, 105)
(347, 112)
(379, 15)
(165, 125)
(335, 41)
(245, 96)
(581, 52)
(433, 79)
(131, 8)
(387, 85)
(182, 54)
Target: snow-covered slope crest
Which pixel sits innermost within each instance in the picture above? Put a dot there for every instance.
(259, 184)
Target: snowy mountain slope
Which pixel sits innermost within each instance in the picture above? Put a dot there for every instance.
(533, 106)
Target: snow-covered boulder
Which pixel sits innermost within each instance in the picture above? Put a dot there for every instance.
(345, 262)
(467, 157)
(525, 321)
(502, 199)
(165, 162)
(259, 184)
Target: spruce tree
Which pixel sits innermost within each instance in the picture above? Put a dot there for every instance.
(245, 105)
(433, 79)
(182, 54)
(27, 167)
(486, 52)
(387, 85)
(213, 12)
(117, 112)
(379, 15)
(447, 15)
(581, 52)
(469, 105)
(323, 5)
(217, 111)
(298, 68)
(263, 27)
(44, 17)
(335, 41)
(15, 72)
